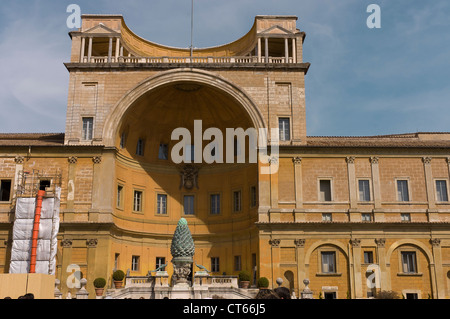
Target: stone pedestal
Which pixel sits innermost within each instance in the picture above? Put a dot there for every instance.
(161, 279)
(182, 268)
(306, 293)
(181, 291)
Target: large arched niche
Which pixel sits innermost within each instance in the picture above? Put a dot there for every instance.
(150, 113)
(201, 77)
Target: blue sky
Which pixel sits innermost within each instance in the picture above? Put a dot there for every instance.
(361, 82)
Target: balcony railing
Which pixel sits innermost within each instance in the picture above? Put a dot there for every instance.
(188, 60)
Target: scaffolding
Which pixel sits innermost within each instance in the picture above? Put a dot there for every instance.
(29, 183)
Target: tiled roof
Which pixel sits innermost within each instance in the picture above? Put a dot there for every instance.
(435, 140)
(32, 139)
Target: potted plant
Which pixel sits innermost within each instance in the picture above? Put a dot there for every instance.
(263, 283)
(99, 284)
(244, 279)
(118, 277)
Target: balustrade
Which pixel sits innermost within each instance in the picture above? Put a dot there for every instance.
(187, 60)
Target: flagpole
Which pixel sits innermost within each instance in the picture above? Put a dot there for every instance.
(192, 29)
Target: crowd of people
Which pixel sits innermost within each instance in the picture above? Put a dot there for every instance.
(26, 296)
(277, 293)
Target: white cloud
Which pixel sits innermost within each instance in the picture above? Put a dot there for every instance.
(33, 75)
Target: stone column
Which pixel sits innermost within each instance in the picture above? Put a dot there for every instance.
(286, 50)
(357, 280)
(89, 50)
(118, 49)
(376, 186)
(266, 41)
(259, 50)
(83, 49)
(439, 271)
(110, 49)
(294, 51)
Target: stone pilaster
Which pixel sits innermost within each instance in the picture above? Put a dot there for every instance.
(102, 187)
(274, 162)
(376, 186)
(73, 160)
(357, 279)
(66, 261)
(300, 255)
(354, 216)
(299, 212)
(432, 214)
(439, 271)
(385, 280)
(275, 249)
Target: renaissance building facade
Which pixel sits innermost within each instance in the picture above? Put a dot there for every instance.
(352, 214)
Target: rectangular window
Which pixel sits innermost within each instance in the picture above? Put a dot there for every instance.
(137, 201)
(189, 205)
(215, 264)
(140, 147)
(409, 262)
(441, 191)
(325, 190)
(329, 295)
(88, 128)
(119, 196)
(44, 184)
(215, 204)
(412, 296)
(5, 190)
(237, 263)
(123, 137)
(163, 152)
(328, 262)
(116, 261)
(237, 201)
(285, 128)
(327, 217)
(364, 190)
(366, 217)
(159, 262)
(254, 197)
(402, 191)
(161, 208)
(405, 217)
(368, 257)
(135, 263)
